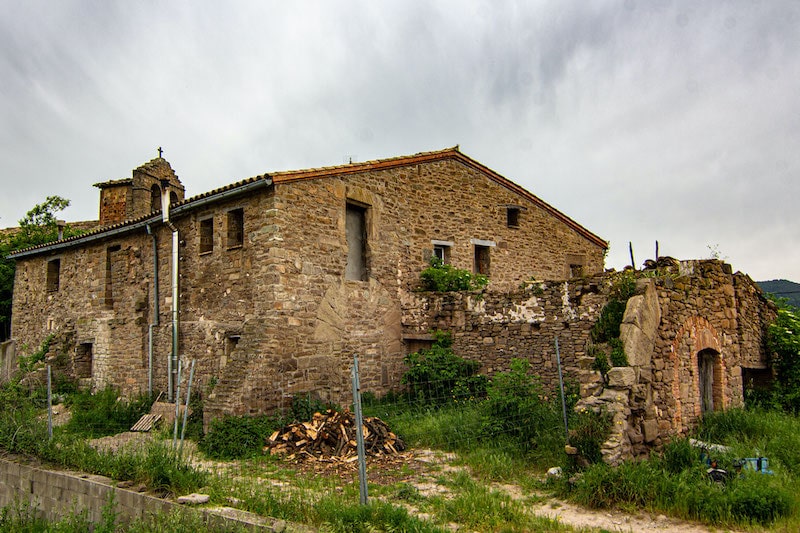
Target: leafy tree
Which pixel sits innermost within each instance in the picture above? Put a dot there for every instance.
(783, 341)
(39, 226)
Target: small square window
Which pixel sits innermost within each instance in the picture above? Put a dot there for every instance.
(441, 250)
(206, 235)
(235, 228)
(512, 217)
(442, 253)
(53, 274)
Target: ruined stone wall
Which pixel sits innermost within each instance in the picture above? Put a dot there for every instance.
(707, 307)
(677, 316)
(494, 328)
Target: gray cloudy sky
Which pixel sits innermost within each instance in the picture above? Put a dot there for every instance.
(676, 121)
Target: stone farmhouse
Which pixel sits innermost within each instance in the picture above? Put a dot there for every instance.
(273, 283)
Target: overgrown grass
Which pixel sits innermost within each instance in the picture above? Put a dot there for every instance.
(751, 433)
(321, 503)
(104, 412)
(23, 518)
(23, 430)
(676, 483)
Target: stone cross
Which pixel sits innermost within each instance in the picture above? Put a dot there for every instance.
(160, 151)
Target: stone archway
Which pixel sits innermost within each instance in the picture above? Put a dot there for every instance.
(699, 375)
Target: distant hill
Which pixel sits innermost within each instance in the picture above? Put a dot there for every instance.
(783, 289)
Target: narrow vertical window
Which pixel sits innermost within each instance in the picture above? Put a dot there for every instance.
(53, 274)
(111, 272)
(356, 230)
(206, 235)
(482, 260)
(235, 228)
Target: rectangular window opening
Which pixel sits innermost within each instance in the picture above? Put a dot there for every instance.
(356, 232)
(53, 275)
(575, 266)
(231, 342)
(235, 228)
(83, 360)
(207, 235)
(442, 253)
(482, 259)
(512, 217)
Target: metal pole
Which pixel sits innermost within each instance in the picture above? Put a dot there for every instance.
(633, 262)
(186, 410)
(362, 459)
(561, 387)
(49, 403)
(177, 407)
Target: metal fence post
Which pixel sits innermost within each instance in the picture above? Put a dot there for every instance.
(362, 459)
(561, 387)
(49, 403)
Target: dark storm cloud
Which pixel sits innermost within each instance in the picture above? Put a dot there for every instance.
(661, 120)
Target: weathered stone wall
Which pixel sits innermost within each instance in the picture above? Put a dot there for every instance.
(318, 320)
(494, 328)
(102, 300)
(8, 360)
(677, 315)
(57, 495)
(273, 316)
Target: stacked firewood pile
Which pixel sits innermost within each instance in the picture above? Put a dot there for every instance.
(332, 435)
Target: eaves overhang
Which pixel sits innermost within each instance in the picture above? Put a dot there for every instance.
(130, 226)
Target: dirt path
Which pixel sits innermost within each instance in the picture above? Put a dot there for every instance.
(426, 466)
(578, 517)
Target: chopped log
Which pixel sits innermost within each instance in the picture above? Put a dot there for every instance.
(337, 440)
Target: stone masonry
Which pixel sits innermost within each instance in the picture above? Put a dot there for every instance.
(266, 307)
(678, 315)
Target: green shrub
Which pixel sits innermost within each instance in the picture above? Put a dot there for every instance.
(516, 406)
(677, 484)
(437, 375)
(104, 412)
(28, 362)
(237, 437)
(783, 340)
(21, 429)
(304, 407)
(588, 432)
(600, 363)
(680, 455)
(607, 326)
(617, 356)
(441, 277)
